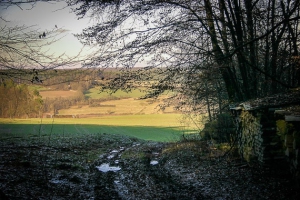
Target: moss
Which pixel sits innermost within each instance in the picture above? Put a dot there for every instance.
(224, 146)
(281, 128)
(132, 154)
(284, 128)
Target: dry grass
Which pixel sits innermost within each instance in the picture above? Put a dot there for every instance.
(59, 93)
(119, 107)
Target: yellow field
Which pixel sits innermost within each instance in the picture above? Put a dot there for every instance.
(119, 107)
(59, 93)
(173, 121)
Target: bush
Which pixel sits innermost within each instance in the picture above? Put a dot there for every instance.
(220, 129)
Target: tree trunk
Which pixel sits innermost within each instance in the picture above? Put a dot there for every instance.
(230, 82)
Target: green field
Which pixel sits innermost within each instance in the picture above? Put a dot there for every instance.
(156, 127)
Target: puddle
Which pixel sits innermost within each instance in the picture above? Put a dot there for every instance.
(122, 148)
(106, 168)
(136, 144)
(115, 152)
(153, 162)
(110, 156)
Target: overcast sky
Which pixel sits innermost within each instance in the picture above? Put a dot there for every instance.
(45, 16)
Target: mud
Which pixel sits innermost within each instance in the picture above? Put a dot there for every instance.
(117, 167)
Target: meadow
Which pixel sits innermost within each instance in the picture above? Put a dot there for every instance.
(155, 127)
(125, 114)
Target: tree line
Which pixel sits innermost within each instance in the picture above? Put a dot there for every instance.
(18, 100)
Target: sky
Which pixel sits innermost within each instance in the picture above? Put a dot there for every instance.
(47, 16)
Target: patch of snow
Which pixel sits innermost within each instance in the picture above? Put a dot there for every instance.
(122, 148)
(153, 162)
(110, 156)
(106, 168)
(136, 144)
(114, 151)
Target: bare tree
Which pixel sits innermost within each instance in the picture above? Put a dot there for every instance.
(25, 51)
(251, 42)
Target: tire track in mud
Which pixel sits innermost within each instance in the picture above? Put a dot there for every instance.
(120, 178)
(105, 175)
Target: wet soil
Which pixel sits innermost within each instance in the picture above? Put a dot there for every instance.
(118, 167)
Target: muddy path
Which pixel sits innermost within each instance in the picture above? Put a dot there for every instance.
(117, 167)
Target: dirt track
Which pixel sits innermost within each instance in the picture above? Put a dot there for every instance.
(118, 167)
